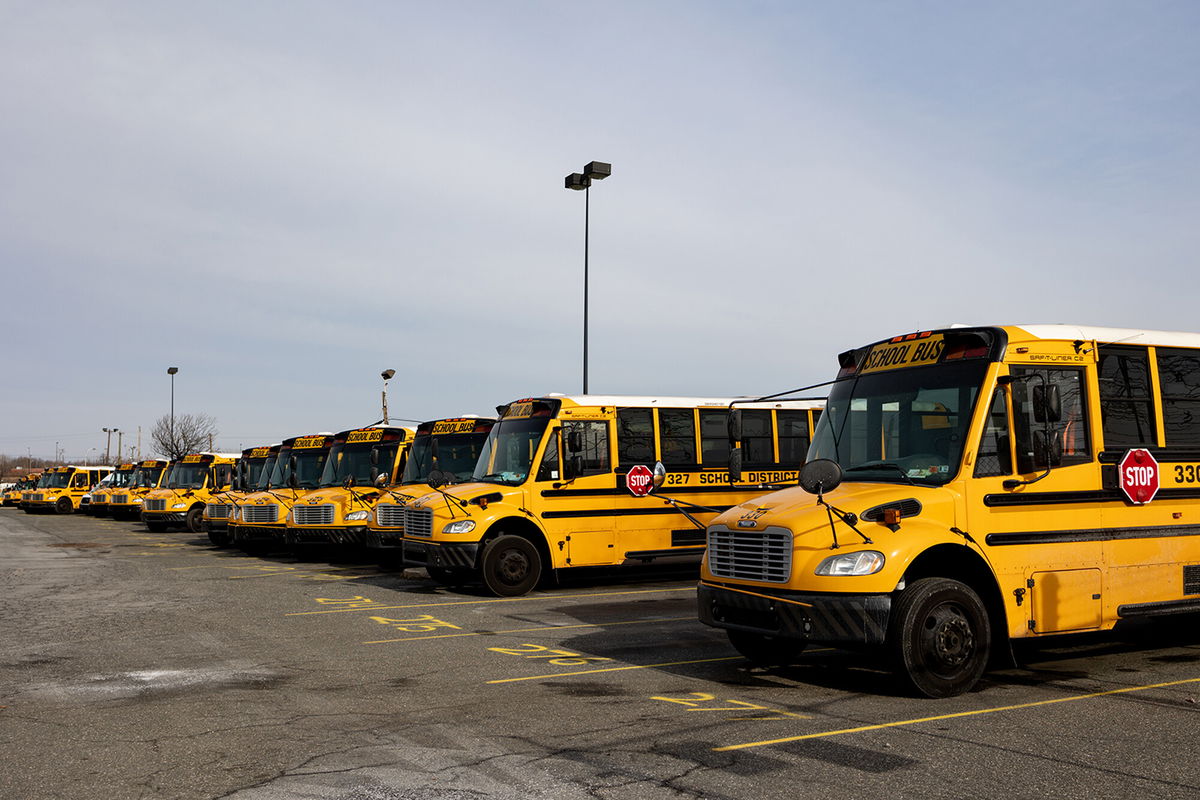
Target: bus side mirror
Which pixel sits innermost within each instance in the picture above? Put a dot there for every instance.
(734, 425)
(735, 465)
(374, 456)
(574, 441)
(380, 480)
(1047, 404)
(660, 475)
(436, 479)
(374, 472)
(433, 450)
(293, 481)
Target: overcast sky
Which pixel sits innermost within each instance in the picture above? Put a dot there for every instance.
(285, 198)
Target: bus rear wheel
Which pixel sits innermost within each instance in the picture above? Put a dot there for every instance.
(511, 566)
(766, 651)
(939, 637)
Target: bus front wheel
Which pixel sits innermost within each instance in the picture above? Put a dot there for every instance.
(194, 520)
(63, 506)
(939, 637)
(511, 566)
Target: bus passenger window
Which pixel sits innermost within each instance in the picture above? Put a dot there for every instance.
(593, 438)
(1126, 412)
(714, 438)
(1179, 380)
(758, 447)
(1068, 441)
(793, 437)
(994, 456)
(677, 432)
(635, 436)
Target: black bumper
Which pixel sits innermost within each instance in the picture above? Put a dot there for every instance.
(446, 556)
(216, 524)
(825, 618)
(169, 517)
(384, 540)
(335, 535)
(257, 533)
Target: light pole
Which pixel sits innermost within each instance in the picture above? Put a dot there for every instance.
(171, 371)
(595, 170)
(387, 376)
(108, 443)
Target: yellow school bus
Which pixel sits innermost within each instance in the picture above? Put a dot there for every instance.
(260, 518)
(97, 500)
(448, 448)
(126, 503)
(190, 485)
(554, 486)
(60, 489)
(12, 497)
(338, 510)
(971, 486)
(251, 475)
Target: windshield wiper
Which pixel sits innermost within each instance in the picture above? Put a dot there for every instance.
(882, 465)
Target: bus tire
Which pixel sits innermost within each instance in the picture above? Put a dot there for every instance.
(939, 637)
(510, 566)
(766, 651)
(63, 506)
(194, 519)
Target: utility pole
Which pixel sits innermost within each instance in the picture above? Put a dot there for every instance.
(119, 435)
(139, 442)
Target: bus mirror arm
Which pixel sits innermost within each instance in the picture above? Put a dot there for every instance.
(847, 517)
(682, 507)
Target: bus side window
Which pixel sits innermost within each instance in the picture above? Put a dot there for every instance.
(548, 471)
(714, 438)
(1126, 410)
(635, 436)
(1179, 382)
(793, 437)
(994, 457)
(677, 432)
(1067, 441)
(593, 440)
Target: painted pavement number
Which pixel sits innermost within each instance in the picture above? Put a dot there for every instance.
(698, 701)
(563, 658)
(420, 624)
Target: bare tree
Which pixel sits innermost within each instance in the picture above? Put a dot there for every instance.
(191, 434)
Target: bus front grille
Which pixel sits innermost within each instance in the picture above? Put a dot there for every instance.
(217, 511)
(313, 515)
(764, 556)
(155, 504)
(253, 515)
(418, 522)
(119, 499)
(389, 515)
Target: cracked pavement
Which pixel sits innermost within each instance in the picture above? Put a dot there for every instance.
(139, 665)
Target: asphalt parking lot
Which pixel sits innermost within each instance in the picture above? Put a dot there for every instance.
(140, 665)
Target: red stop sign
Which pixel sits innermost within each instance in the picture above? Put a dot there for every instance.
(1138, 475)
(639, 480)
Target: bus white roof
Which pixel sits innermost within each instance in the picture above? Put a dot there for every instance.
(627, 401)
(1113, 335)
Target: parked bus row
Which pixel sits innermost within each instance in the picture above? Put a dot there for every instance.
(960, 489)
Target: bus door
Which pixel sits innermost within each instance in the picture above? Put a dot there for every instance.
(1033, 478)
(578, 514)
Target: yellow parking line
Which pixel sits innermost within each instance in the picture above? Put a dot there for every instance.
(616, 669)
(976, 712)
(539, 628)
(485, 601)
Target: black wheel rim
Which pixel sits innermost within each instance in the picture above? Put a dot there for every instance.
(512, 566)
(947, 639)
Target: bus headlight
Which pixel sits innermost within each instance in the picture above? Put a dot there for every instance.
(178, 506)
(357, 516)
(462, 526)
(866, 562)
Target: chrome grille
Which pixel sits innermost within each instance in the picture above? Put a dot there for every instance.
(418, 522)
(313, 515)
(155, 504)
(217, 511)
(764, 556)
(389, 515)
(256, 514)
(119, 499)
(36, 497)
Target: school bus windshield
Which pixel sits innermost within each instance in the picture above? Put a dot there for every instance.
(354, 461)
(458, 453)
(309, 463)
(508, 452)
(57, 480)
(145, 476)
(905, 425)
(188, 476)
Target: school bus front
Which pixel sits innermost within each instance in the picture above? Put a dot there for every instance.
(250, 475)
(99, 498)
(190, 485)
(259, 519)
(549, 490)
(448, 448)
(61, 489)
(963, 490)
(339, 509)
(126, 503)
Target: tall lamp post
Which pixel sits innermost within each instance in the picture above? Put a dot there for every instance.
(598, 171)
(171, 371)
(387, 376)
(108, 443)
